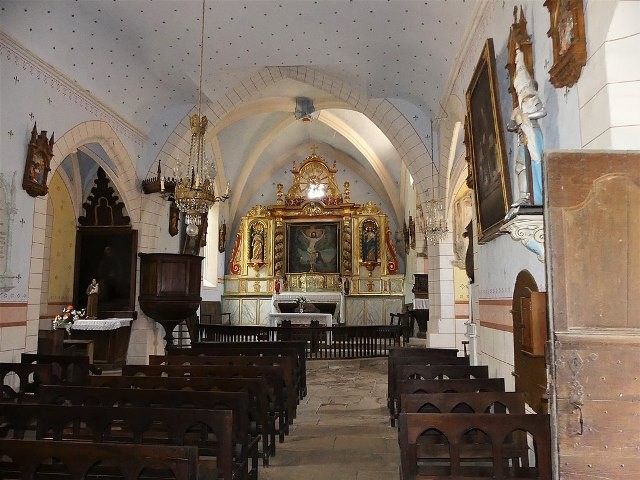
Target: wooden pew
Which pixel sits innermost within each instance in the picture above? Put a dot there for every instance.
(19, 380)
(286, 362)
(479, 402)
(66, 369)
(476, 446)
(436, 372)
(31, 460)
(262, 409)
(285, 393)
(444, 386)
(237, 402)
(418, 356)
(280, 348)
(132, 425)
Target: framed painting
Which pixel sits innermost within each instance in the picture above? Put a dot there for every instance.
(37, 166)
(491, 182)
(108, 255)
(313, 247)
(567, 35)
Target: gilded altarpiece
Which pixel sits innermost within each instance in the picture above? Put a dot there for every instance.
(315, 241)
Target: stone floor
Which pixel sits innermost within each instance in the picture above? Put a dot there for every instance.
(342, 430)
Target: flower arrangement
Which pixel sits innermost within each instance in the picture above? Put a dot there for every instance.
(67, 317)
(301, 300)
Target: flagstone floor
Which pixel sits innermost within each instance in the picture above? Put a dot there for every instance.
(342, 429)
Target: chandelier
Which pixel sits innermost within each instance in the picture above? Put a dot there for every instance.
(434, 214)
(195, 193)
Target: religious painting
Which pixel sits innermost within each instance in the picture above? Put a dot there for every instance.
(492, 185)
(109, 256)
(370, 241)
(569, 42)
(36, 169)
(313, 247)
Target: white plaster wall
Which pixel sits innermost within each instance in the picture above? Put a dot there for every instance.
(609, 88)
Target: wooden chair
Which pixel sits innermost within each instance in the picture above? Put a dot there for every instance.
(211, 314)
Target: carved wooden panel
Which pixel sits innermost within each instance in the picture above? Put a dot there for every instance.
(592, 220)
(594, 236)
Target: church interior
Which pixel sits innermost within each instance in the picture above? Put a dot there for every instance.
(471, 165)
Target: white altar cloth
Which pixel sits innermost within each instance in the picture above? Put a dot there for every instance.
(336, 297)
(421, 303)
(106, 324)
(326, 320)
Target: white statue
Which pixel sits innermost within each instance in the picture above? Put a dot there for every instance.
(524, 122)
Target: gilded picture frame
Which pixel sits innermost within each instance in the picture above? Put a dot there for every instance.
(491, 182)
(37, 166)
(569, 41)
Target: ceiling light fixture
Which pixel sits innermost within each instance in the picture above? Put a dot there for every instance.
(195, 193)
(434, 213)
(305, 110)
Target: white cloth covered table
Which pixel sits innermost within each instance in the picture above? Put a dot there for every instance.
(106, 324)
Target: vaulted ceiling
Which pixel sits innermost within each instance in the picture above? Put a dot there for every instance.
(142, 58)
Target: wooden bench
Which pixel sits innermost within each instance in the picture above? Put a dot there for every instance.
(287, 363)
(418, 356)
(282, 385)
(132, 425)
(263, 410)
(19, 380)
(31, 460)
(237, 402)
(446, 386)
(435, 372)
(479, 402)
(475, 446)
(281, 348)
(66, 369)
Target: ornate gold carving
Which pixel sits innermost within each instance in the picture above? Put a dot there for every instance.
(347, 192)
(369, 208)
(346, 247)
(278, 246)
(569, 41)
(312, 209)
(258, 211)
(235, 266)
(280, 194)
(313, 180)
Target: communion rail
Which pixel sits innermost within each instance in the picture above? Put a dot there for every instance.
(321, 342)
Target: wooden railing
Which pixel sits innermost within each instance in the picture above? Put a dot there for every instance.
(321, 342)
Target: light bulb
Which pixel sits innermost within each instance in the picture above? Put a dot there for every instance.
(192, 230)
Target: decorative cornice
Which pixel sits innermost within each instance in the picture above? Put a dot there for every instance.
(53, 78)
(529, 230)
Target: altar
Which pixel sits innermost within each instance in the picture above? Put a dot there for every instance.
(335, 298)
(301, 319)
(110, 337)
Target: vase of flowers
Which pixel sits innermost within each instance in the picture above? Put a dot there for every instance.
(67, 317)
(300, 301)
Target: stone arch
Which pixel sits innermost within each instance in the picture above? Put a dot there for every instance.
(400, 132)
(94, 131)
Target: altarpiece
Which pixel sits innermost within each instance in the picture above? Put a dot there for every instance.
(313, 240)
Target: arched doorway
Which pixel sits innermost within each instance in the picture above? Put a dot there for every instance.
(530, 333)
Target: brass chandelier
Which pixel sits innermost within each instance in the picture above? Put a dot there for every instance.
(195, 193)
(435, 213)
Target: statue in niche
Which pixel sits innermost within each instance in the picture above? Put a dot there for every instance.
(528, 136)
(257, 244)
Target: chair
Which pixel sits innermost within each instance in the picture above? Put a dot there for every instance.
(406, 321)
(211, 314)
